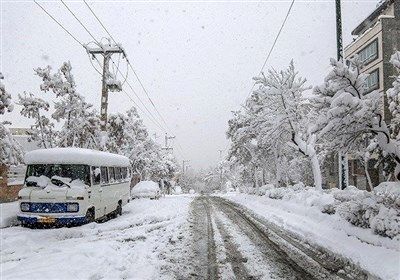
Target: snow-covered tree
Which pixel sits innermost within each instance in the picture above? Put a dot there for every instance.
(275, 119)
(128, 135)
(42, 131)
(80, 122)
(281, 115)
(353, 111)
(393, 95)
(10, 150)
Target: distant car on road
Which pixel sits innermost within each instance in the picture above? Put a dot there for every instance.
(146, 189)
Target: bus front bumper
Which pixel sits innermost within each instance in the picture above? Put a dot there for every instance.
(51, 221)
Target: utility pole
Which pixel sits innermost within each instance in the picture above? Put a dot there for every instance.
(339, 37)
(220, 154)
(183, 165)
(343, 161)
(155, 136)
(166, 142)
(108, 81)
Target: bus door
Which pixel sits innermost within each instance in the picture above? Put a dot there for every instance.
(96, 191)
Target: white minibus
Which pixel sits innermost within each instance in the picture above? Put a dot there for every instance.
(71, 186)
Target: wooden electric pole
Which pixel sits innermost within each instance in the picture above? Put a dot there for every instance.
(108, 82)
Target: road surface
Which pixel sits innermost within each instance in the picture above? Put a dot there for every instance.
(228, 243)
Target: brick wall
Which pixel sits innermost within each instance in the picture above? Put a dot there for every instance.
(7, 193)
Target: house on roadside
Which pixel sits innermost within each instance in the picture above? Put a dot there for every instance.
(376, 38)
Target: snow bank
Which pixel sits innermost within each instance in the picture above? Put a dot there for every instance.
(379, 211)
(145, 188)
(9, 214)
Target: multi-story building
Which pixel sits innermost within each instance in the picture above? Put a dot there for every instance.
(375, 40)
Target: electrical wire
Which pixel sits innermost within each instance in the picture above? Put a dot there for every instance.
(130, 65)
(99, 44)
(81, 44)
(69, 33)
(274, 43)
(133, 70)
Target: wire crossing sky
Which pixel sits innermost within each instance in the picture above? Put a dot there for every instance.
(195, 60)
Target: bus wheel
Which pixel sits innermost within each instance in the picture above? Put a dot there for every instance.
(90, 216)
(119, 208)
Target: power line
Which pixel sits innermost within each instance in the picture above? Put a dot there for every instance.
(133, 70)
(99, 44)
(76, 40)
(72, 13)
(69, 33)
(94, 14)
(129, 63)
(274, 43)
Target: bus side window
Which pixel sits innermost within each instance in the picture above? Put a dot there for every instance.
(112, 174)
(117, 173)
(104, 175)
(124, 173)
(96, 175)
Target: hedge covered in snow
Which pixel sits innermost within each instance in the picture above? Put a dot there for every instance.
(378, 210)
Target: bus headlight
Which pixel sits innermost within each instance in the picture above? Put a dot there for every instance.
(25, 206)
(72, 207)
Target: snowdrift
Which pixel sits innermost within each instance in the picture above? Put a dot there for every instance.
(147, 189)
(378, 210)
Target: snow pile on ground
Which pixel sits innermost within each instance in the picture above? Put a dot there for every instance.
(8, 215)
(379, 210)
(320, 218)
(131, 246)
(145, 188)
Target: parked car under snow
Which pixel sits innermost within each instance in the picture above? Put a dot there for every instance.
(146, 189)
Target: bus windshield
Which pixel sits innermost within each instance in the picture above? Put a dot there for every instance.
(71, 171)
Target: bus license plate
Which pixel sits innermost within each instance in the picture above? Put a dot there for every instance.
(47, 220)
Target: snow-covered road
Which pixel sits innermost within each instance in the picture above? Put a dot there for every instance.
(232, 243)
(180, 237)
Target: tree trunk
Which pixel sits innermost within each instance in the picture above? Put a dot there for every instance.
(387, 144)
(309, 150)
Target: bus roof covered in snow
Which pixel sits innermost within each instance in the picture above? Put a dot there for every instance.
(75, 156)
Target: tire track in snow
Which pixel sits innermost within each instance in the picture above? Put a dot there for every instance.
(319, 262)
(204, 256)
(234, 255)
(265, 259)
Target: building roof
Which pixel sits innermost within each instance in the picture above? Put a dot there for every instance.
(75, 156)
(376, 13)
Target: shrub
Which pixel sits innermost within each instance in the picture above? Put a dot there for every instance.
(387, 222)
(358, 212)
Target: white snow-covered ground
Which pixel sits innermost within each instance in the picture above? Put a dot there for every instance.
(378, 255)
(128, 247)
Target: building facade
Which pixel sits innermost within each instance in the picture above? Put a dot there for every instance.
(375, 40)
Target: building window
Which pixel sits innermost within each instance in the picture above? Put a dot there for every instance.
(372, 81)
(369, 53)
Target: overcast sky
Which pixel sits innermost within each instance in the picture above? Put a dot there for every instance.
(196, 59)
